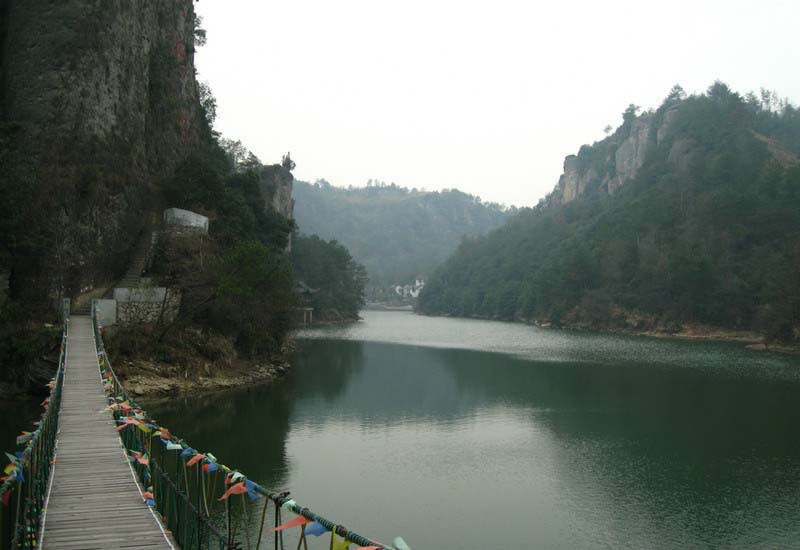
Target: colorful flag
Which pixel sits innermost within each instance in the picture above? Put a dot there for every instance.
(316, 529)
(235, 489)
(343, 544)
(195, 459)
(294, 522)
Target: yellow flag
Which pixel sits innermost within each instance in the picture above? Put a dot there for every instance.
(342, 544)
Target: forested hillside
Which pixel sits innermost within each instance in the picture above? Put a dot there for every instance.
(397, 233)
(689, 213)
(337, 281)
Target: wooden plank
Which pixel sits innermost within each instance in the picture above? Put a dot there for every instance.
(95, 500)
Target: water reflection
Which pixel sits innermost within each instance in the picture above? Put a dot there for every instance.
(16, 416)
(457, 448)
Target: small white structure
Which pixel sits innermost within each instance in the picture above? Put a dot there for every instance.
(185, 218)
(144, 294)
(410, 290)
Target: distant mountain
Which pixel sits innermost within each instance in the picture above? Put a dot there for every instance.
(688, 213)
(396, 233)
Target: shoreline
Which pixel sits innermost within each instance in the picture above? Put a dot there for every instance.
(154, 380)
(144, 379)
(688, 331)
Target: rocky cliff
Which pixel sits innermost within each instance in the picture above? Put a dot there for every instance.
(103, 103)
(608, 164)
(276, 183)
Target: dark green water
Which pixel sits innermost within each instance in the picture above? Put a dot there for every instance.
(467, 434)
(16, 416)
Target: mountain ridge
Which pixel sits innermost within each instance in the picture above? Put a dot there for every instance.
(396, 233)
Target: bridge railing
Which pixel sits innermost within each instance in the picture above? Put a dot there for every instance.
(25, 479)
(203, 503)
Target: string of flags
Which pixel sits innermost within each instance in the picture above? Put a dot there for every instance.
(130, 416)
(36, 443)
(14, 471)
(315, 528)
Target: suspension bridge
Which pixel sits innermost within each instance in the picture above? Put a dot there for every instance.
(98, 472)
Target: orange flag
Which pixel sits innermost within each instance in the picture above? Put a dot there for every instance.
(195, 459)
(294, 522)
(235, 489)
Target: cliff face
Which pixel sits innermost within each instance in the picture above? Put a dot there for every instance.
(103, 99)
(276, 184)
(608, 164)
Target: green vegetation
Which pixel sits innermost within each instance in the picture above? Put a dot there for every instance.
(337, 280)
(85, 171)
(97, 107)
(707, 231)
(397, 233)
(237, 280)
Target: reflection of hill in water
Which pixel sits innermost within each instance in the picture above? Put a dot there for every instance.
(247, 429)
(629, 441)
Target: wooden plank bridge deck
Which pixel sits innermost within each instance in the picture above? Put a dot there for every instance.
(94, 499)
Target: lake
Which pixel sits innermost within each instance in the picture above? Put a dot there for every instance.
(465, 434)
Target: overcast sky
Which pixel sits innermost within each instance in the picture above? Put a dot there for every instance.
(488, 96)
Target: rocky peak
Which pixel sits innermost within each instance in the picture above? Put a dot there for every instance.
(610, 163)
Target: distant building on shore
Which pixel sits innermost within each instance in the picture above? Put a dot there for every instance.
(410, 291)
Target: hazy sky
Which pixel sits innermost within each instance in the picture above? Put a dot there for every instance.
(484, 96)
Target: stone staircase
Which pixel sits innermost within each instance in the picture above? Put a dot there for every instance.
(138, 262)
(133, 277)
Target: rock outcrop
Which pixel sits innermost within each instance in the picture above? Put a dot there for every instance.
(609, 164)
(276, 184)
(106, 102)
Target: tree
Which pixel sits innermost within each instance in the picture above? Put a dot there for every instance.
(199, 31)
(208, 103)
(253, 298)
(676, 94)
(287, 162)
(327, 267)
(240, 158)
(629, 115)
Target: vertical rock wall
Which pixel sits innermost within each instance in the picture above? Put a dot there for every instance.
(104, 95)
(608, 164)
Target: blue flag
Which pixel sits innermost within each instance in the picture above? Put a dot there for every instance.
(316, 528)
